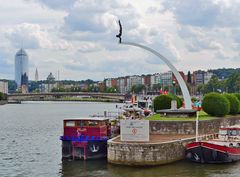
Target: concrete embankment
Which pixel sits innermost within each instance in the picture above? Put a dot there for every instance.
(167, 142)
(189, 127)
(162, 149)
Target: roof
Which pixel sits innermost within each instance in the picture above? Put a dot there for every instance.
(233, 127)
(21, 52)
(87, 118)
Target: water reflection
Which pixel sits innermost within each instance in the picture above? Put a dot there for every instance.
(81, 168)
(100, 168)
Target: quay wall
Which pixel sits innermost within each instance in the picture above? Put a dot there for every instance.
(147, 154)
(189, 127)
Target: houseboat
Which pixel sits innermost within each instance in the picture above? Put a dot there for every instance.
(85, 138)
(223, 149)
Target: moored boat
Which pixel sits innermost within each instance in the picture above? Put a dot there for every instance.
(223, 149)
(85, 138)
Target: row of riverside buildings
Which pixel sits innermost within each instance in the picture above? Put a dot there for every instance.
(165, 80)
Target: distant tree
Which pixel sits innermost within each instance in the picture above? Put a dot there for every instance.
(189, 78)
(138, 88)
(214, 85)
(111, 90)
(233, 83)
(156, 87)
(12, 86)
(1, 96)
(33, 86)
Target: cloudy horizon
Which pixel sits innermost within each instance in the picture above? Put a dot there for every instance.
(77, 37)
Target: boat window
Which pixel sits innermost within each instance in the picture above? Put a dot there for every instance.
(234, 132)
(92, 123)
(81, 123)
(70, 123)
(223, 132)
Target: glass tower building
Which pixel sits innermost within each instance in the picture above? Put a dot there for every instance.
(21, 68)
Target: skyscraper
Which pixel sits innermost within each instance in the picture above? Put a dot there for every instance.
(36, 75)
(21, 69)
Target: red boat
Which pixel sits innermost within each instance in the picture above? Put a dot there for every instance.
(85, 138)
(224, 149)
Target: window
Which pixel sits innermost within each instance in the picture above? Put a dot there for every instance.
(81, 123)
(234, 132)
(223, 132)
(70, 123)
(92, 123)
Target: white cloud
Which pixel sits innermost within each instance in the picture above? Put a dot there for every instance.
(77, 37)
(32, 36)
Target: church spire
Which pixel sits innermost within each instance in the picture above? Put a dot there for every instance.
(36, 75)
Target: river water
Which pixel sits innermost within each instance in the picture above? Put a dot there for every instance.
(30, 146)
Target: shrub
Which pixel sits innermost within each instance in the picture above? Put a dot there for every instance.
(162, 102)
(234, 103)
(179, 100)
(216, 104)
(1, 96)
(237, 95)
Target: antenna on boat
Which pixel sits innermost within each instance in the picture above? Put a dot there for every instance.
(197, 113)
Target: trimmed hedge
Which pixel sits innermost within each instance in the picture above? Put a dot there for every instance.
(215, 104)
(237, 95)
(162, 102)
(234, 103)
(179, 100)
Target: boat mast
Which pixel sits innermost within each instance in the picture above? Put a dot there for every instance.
(197, 126)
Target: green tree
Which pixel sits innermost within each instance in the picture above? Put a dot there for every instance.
(138, 88)
(1, 96)
(189, 78)
(233, 83)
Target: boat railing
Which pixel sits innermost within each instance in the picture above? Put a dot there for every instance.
(83, 138)
(208, 137)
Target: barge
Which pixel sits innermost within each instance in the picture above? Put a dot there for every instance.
(223, 149)
(85, 138)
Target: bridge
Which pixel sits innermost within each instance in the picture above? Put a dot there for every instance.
(55, 96)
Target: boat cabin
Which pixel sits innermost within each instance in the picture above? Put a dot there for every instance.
(92, 126)
(232, 132)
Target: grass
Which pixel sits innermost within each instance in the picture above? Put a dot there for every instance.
(202, 116)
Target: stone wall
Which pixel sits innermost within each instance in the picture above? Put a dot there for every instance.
(126, 153)
(189, 127)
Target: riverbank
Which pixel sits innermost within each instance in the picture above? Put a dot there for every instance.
(73, 100)
(167, 143)
(3, 102)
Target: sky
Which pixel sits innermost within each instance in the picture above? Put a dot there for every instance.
(77, 37)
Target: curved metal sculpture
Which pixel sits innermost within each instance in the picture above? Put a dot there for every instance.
(185, 92)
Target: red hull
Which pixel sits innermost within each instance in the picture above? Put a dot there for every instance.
(205, 152)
